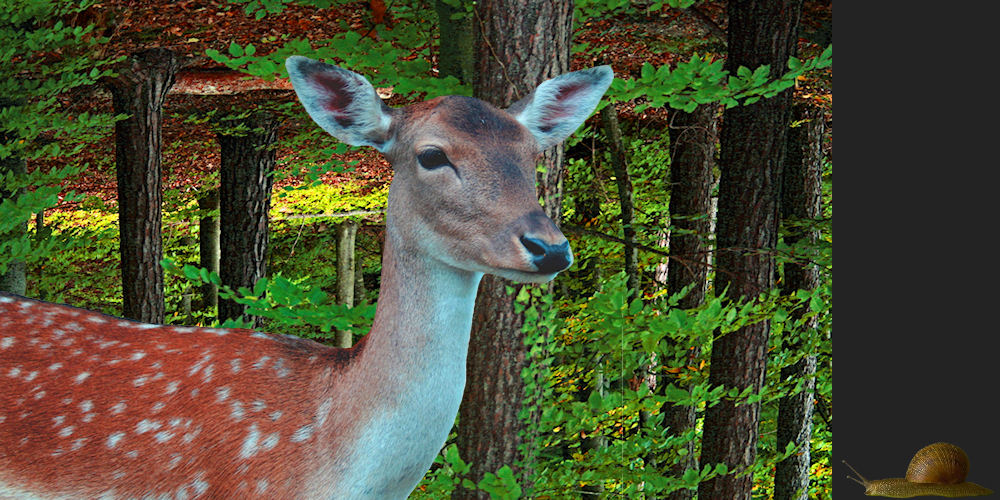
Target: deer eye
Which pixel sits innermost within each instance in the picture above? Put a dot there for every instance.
(432, 158)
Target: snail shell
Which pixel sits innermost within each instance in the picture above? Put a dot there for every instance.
(938, 469)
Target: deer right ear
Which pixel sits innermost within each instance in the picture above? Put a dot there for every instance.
(559, 106)
(342, 102)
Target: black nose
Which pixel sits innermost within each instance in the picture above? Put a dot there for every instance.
(547, 258)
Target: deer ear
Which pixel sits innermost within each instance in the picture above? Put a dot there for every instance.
(559, 106)
(342, 102)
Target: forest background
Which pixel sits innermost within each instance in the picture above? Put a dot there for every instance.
(661, 333)
(94, 284)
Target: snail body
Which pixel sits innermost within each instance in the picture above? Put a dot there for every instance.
(938, 469)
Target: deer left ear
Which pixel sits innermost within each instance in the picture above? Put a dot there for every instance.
(559, 106)
(342, 102)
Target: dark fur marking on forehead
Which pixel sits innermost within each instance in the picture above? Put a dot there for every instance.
(476, 117)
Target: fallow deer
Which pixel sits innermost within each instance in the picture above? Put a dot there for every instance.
(99, 407)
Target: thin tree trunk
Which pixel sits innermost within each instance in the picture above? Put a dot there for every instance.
(801, 196)
(360, 292)
(346, 233)
(139, 91)
(245, 199)
(518, 45)
(208, 245)
(619, 166)
(455, 57)
(753, 149)
(692, 159)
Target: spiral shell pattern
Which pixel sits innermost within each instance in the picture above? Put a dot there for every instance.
(940, 463)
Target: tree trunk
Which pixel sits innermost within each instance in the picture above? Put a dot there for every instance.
(245, 198)
(692, 158)
(346, 233)
(619, 166)
(518, 45)
(753, 150)
(139, 91)
(208, 246)
(455, 57)
(801, 197)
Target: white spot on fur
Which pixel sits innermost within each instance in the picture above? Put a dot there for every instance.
(163, 436)
(81, 377)
(157, 406)
(260, 363)
(146, 426)
(323, 411)
(66, 431)
(234, 365)
(237, 410)
(113, 439)
(6, 342)
(137, 355)
(140, 381)
(270, 441)
(222, 393)
(250, 447)
(86, 405)
(55, 366)
(118, 407)
(172, 387)
(302, 433)
(275, 415)
(14, 372)
(280, 369)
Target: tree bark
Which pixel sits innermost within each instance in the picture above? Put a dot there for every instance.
(692, 158)
(518, 45)
(346, 234)
(801, 198)
(208, 245)
(247, 162)
(752, 152)
(139, 91)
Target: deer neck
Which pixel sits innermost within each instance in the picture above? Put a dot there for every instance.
(423, 317)
(412, 365)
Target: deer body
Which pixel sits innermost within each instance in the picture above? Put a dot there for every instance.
(93, 406)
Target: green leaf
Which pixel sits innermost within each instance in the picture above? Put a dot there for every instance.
(595, 401)
(235, 49)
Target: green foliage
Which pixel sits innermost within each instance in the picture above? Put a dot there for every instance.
(702, 80)
(33, 123)
(386, 62)
(285, 303)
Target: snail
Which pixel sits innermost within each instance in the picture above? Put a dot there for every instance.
(937, 469)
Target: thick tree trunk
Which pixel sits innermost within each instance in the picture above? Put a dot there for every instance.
(139, 91)
(801, 197)
(208, 246)
(753, 149)
(245, 198)
(346, 234)
(692, 158)
(518, 45)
